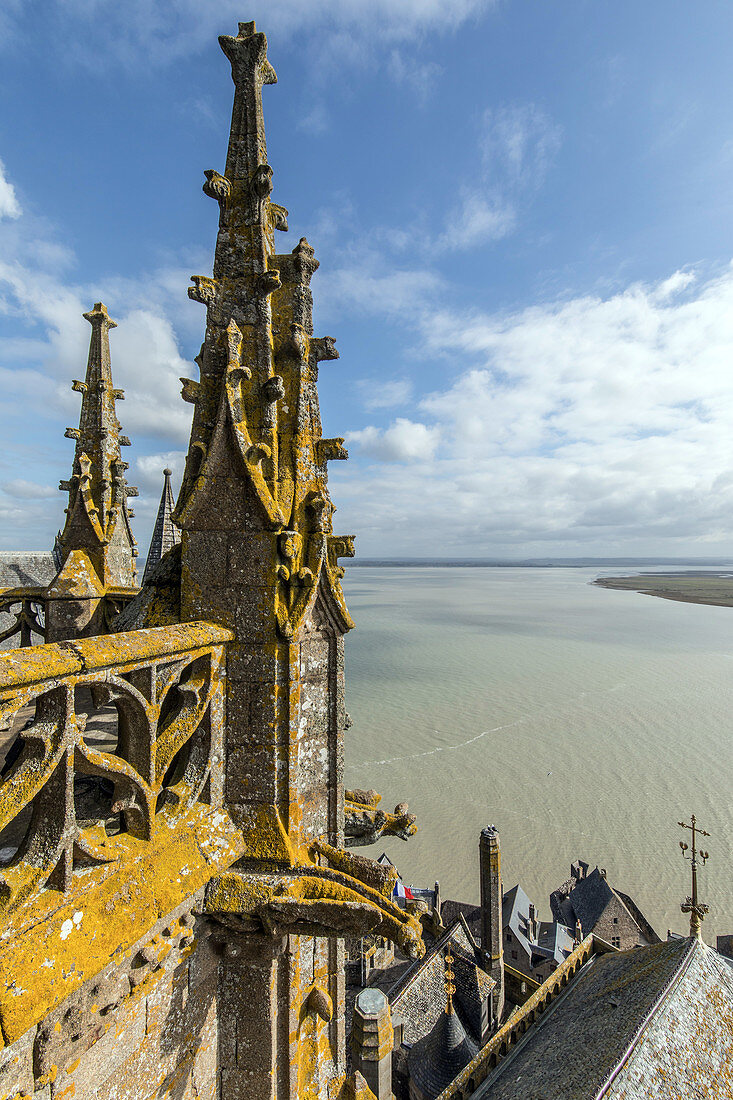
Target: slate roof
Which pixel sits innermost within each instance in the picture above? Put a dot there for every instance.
(30, 568)
(166, 534)
(552, 940)
(418, 997)
(438, 1058)
(473, 988)
(585, 901)
(687, 1050)
(587, 898)
(647, 931)
(451, 910)
(23, 569)
(653, 1021)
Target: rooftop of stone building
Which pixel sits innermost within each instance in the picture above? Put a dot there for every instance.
(586, 898)
(655, 1020)
(30, 568)
(440, 1056)
(451, 910)
(418, 995)
(549, 938)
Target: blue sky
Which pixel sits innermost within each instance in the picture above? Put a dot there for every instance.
(522, 211)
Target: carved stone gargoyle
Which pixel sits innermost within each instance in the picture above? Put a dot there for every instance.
(334, 893)
(365, 823)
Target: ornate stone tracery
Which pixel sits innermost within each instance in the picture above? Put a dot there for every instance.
(166, 687)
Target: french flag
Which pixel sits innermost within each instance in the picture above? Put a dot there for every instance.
(402, 891)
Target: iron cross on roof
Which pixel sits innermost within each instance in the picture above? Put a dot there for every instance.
(695, 908)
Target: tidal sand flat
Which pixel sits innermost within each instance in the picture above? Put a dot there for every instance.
(688, 587)
(582, 722)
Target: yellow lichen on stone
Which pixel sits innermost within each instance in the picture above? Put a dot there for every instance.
(54, 952)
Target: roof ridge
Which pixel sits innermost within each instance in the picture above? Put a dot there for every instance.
(692, 944)
(405, 980)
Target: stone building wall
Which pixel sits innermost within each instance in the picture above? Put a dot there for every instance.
(616, 924)
(146, 1026)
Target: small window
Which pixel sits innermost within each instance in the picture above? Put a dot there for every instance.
(514, 954)
(616, 941)
(615, 920)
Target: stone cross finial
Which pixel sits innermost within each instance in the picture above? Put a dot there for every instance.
(247, 54)
(99, 316)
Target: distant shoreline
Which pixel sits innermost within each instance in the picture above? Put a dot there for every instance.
(535, 563)
(714, 589)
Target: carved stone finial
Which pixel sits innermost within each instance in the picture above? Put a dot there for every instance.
(305, 263)
(319, 1001)
(262, 180)
(203, 290)
(279, 217)
(323, 347)
(99, 316)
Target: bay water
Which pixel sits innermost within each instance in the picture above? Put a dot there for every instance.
(583, 722)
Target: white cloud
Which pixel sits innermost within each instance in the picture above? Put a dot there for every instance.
(315, 121)
(590, 424)
(675, 284)
(478, 220)
(148, 364)
(147, 473)
(39, 298)
(518, 143)
(379, 394)
(9, 205)
(21, 489)
(145, 359)
(402, 441)
(157, 31)
(419, 76)
(375, 288)
(148, 470)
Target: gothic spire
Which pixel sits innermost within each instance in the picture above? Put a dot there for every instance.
(256, 404)
(165, 533)
(98, 518)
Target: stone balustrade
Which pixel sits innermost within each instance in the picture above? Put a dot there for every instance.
(69, 802)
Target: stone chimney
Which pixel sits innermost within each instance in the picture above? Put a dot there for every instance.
(491, 917)
(372, 1040)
